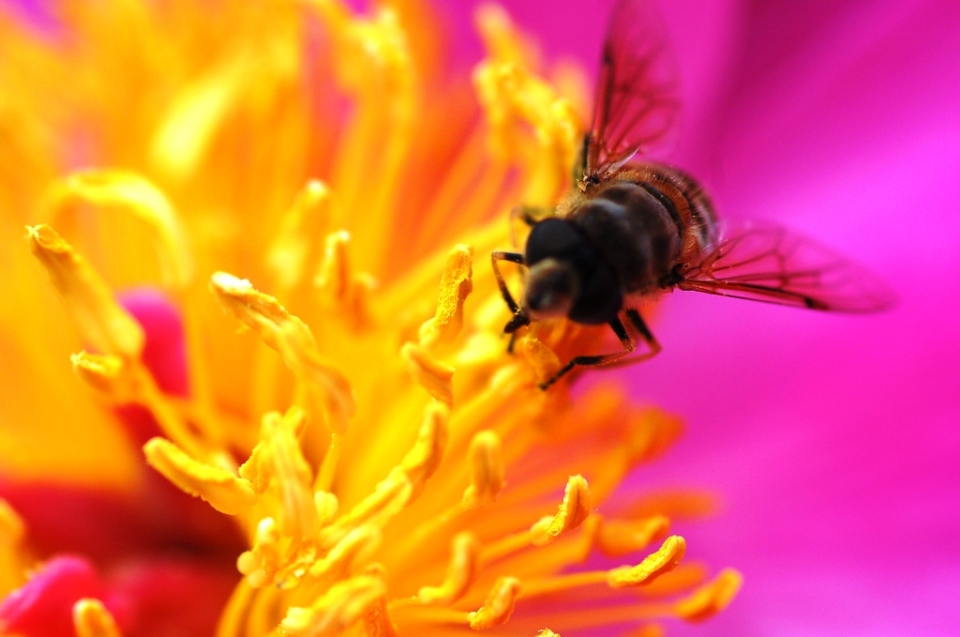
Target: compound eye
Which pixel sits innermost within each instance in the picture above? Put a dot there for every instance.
(551, 290)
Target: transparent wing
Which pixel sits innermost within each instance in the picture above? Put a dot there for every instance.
(768, 263)
(637, 102)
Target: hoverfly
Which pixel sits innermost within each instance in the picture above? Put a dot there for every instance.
(632, 228)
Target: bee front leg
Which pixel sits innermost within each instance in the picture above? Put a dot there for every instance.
(626, 339)
(519, 317)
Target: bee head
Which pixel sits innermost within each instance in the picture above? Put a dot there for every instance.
(551, 290)
(567, 277)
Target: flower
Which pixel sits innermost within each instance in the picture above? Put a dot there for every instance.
(834, 438)
(366, 456)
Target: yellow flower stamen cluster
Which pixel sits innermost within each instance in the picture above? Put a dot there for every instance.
(394, 470)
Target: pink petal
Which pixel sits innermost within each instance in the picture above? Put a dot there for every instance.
(165, 352)
(43, 607)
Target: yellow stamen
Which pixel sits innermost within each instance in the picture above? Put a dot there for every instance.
(574, 509)
(309, 217)
(107, 375)
(224, 491)
(101, 320)
(711, 598)
(339, 608)
(461, 572)
(498, 607)
(374, 64)
(501, 39)
(665, 559)
(486, 478)
(92, 619)
(377, 621)
(259, 565)
(277, 463)
(291, 337)
(542, 359)
(615, 538)
(354, 548)
(455, 285)
(423, 459)
(128, 194)
(431, 374)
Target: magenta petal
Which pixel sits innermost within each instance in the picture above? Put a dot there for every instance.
(164, 353)
(43, 607)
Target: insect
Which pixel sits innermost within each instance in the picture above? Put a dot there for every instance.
(631, 228)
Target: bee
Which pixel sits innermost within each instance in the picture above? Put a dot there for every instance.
(631, 228)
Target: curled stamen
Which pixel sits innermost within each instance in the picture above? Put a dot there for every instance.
(461, 572)
(498, 607)
(574, 509)
(132, 195)
(711, 598)
(224, 491)
(665, 559)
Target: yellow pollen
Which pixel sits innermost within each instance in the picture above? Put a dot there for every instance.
(665, 559)
(91, 619)
(455, 285)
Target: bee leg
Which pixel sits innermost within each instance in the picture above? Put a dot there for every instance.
(529, 215)
(524, 214)
(519, 318)
(638, 324)
(626, 339)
